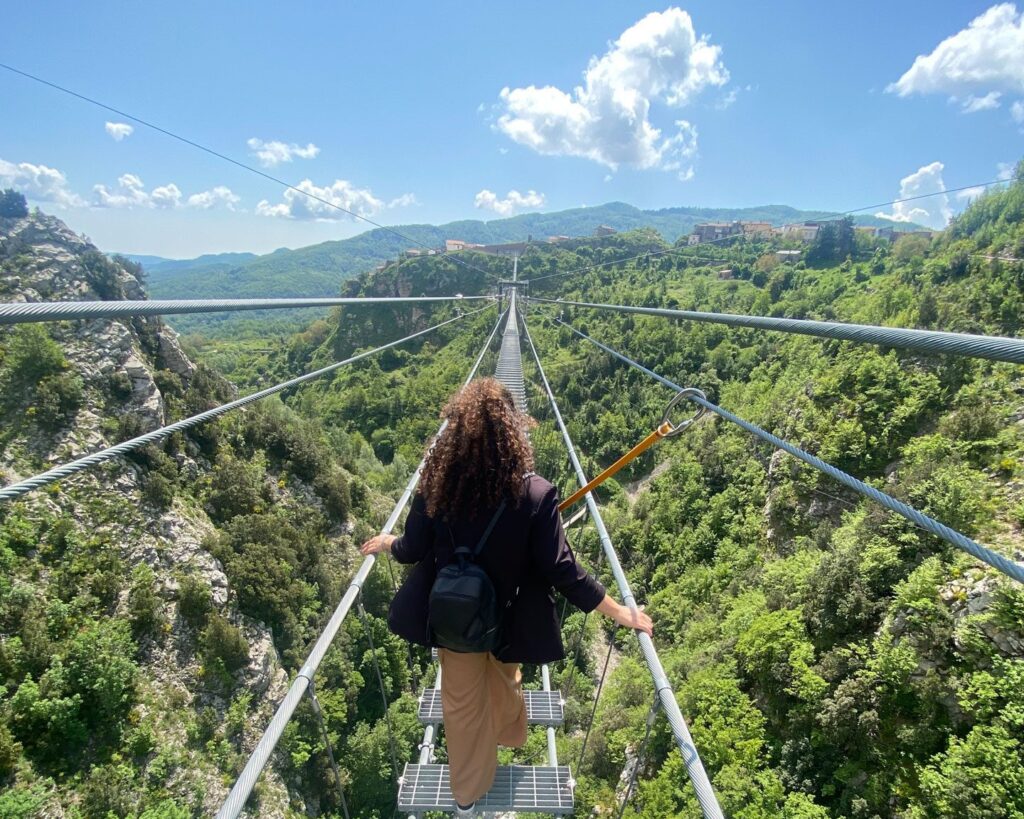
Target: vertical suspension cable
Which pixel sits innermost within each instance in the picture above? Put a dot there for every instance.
(318, 713)
(640, 756)
(684, 741)
(597, 699)
(361, 611)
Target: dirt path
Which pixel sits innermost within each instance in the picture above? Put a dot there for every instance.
(634, 488)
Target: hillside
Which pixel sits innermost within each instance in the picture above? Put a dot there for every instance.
(152, 611)
(319, 270)
(832, 660)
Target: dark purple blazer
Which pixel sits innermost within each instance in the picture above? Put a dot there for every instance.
(527, 549)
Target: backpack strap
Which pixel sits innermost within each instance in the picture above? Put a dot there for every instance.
(483, 538)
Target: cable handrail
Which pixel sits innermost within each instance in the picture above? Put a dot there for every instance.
(691, 759)
(994, 348)
(16, 490)
(22, 312)
(257, 761)
(929, 524)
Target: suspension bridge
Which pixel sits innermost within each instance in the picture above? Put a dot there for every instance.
(422, 784)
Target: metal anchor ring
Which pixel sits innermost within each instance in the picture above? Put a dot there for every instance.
(688, 392)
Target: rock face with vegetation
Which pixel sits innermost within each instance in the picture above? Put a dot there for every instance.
(149, 609)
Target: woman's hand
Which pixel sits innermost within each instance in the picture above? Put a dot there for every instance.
(636, 619)
(625, 616)
(378, 544)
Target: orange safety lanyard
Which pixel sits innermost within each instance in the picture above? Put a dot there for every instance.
(663, 430)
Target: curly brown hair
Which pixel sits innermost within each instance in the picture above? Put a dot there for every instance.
(481, 457)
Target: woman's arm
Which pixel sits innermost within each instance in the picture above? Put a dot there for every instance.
(378, 544)
(625, 616)
(415, 542)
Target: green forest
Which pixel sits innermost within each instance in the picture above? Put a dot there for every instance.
(831, 660)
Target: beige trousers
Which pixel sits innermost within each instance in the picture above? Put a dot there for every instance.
(483, 708)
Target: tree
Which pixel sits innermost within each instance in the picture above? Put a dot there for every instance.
(12, 204)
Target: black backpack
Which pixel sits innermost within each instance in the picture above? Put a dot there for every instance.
(463, 613)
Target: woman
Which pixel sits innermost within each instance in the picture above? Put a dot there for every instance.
(482, 460)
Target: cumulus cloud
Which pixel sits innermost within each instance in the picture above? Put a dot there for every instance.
(273, 153)
(933, 212)
(607, 119)
(220, 195)
(131, 193)
(406, 200)
(119, 130)
(488, 200)
(342, 194)
(1017, 112)
(968, 194)
(1004, 171)
(39, 183)
(973, 104)
(975, 66)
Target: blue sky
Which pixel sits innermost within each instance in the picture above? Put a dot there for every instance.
(398, 110)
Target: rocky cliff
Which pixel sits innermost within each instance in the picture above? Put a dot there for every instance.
(130, 678)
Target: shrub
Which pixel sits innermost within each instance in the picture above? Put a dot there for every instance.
(31, 356)
(102, 275)
(109, 790)
(58, 398)
(13, 204)
(236, 488)
(158, 490)
(9, 751)
(226, 643)
(333, 489)
(145, 608)
(195, 601)
(120, 385)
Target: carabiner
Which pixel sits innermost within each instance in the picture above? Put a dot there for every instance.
(679, 396)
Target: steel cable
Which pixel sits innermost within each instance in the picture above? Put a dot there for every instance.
(258, 759)
(640, 757)
(597, 698)
(994, 559)
(277, 180)
(361, 611)
(684, 741)
(994, 348)
(20, 488)
(29, 311)
(318, 712)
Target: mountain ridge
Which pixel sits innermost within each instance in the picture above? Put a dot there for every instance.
(320, 269)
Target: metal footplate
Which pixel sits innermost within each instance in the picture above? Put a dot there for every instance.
(516, 788)
(542, 707)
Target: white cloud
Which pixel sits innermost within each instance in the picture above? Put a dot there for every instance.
(132, 193)
(273, 153)
(1017, 112)
(119, 130)
(219, 195)
(968, 194)
(727, 100)
(1004, 171)
(406, 200)
(975, 66)
(342, 193)
(39, 183)
(607, 119)
(488, 200)
(933, 212)
(974, 104)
